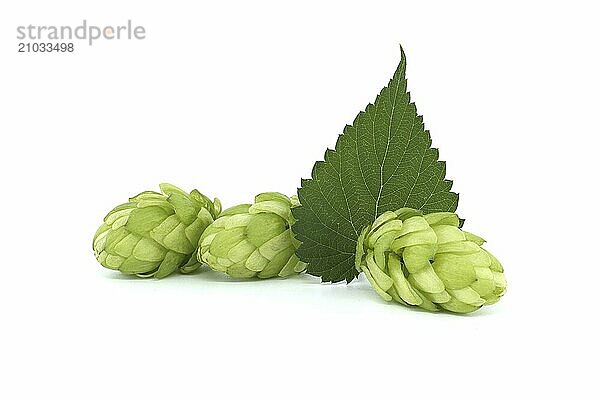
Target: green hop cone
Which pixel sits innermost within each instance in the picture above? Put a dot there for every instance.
(253, 240)
(429, 262)
(154, 234)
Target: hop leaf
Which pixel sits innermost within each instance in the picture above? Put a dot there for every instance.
(383, 162)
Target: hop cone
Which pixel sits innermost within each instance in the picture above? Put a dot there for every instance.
(429, 262)
(155, 233)
(253, 240)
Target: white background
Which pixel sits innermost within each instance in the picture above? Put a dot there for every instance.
(236, 98)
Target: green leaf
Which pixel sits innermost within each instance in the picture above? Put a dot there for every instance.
(383, 162)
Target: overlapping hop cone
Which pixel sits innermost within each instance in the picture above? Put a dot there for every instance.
(154, 234)
(253, 240)
(429, 262)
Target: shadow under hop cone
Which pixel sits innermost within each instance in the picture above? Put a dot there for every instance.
(429, 262)
(253, 240)
(154, 233)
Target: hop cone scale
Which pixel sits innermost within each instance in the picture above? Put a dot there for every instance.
(429, 262)
(154, 233)
(253, 240)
